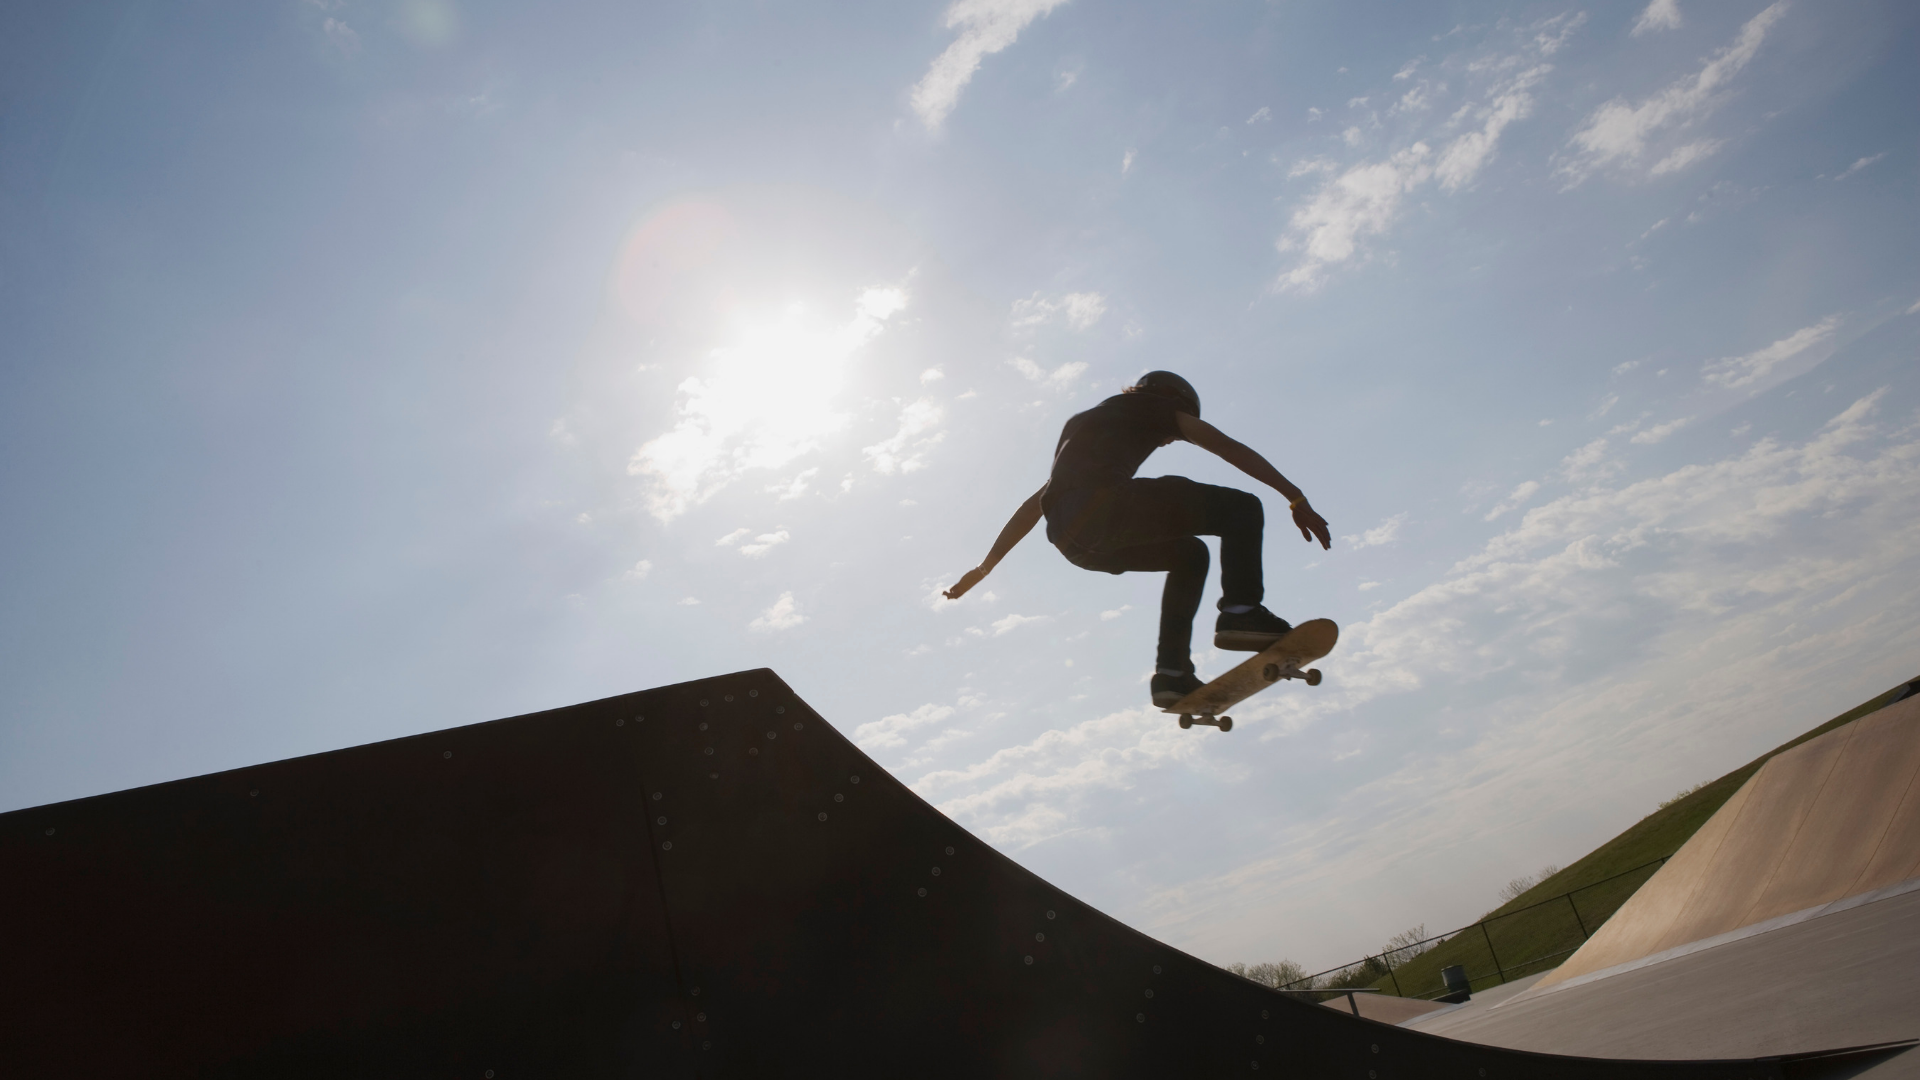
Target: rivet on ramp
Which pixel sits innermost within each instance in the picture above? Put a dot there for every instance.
(779, 710)
(936, 871)
(703, 725)
(823, 815)
(676, 1025)
(1029, 961)
(1260, 1039)
(798, 726)
(1149, 993)
(1039, 937)
(657, 796)
(1142, 1017)
(753, 693)
(853, 779)
(446, 754)
(709, 749)
(621, 722)
(662, 820)
(703, 703)
(254, 794)
(729, 697)
(923, 890)
(1263, 1014)
(773, 734)
(1049, 914)
(754, 750)
(702, 1017)
(1156, 969)
(839, 798)
(949, 849)
(667, 846)
(49, 832)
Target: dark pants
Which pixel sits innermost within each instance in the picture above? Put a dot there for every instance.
(1155, 524)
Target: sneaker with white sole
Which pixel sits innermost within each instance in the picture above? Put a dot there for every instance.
(1249, 631)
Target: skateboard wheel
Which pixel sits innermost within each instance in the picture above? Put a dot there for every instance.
(1226, 723)
(1271, 673)
(1186, 721)
(1313, 676)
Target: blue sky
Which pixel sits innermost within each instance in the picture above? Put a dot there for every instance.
(372, 368)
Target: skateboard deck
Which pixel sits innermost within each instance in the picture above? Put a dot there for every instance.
(1284, 659)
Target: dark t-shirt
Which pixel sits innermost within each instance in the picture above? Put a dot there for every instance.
(1106, 444)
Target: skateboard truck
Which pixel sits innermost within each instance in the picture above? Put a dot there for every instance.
(1271, 673)
(1284, 659)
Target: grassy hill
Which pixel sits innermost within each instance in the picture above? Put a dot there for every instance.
(1529, 936)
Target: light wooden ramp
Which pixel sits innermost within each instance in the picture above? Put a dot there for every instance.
(1833, 818)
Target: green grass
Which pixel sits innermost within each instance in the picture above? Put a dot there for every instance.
(1541, 938)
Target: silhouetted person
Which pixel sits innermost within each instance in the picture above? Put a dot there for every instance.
(1102, 517)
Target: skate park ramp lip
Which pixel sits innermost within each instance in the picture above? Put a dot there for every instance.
(700, 880)
(1826, 825)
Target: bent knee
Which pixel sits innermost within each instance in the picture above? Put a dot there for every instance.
(1191, 555)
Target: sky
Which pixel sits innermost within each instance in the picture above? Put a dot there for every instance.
(372, 368)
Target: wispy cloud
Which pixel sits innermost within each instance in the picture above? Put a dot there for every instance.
(763, 401)
(890, 732)
(1659, 432)
(639, 572)
(1516, 499)
(1658, 15)
(918, 432)
(1081, 310)
(1860, 164)
(986, 27)
(1010, 623)
(1062, 376)
(1618, 134)
(1363, 201)
(1382, 534)
(783, 614)
(1812, 343)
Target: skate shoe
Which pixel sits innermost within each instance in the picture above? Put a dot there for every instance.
(1249, 631)
(1169, 689)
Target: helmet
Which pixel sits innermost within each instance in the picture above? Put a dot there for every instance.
(1167, 384)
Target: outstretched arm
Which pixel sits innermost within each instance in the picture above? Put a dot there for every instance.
(1017, 527)
(1243, 457)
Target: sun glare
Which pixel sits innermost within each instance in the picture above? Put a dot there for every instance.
(761, 401)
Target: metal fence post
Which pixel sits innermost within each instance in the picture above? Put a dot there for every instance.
(1582, 923)
(1393, 976)
(1490, 952)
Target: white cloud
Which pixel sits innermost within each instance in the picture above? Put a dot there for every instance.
(1685, 155)
(1364, 200)
(1059, 377)
(1263, 113)
(986, 27)
(763, 401)
(764, 543)
(931, 375)
(1368, 586)
(639, 572)
(689, 601)
(1381, 534)
(1659, 432)
(1915, 309)
(784, 614)
(890, 732)
(1590, 462)
(1514, 500)
(1109, 616)
(795, 487)
(1618, 133)
(1814, 343)
(341, 36)
(1860, 164)
(1468, 154)
(562, 434)
(906, 451)
(1081, 310)
(1659, 15)
(1126, 163)
(733, 537)
(1011, 623)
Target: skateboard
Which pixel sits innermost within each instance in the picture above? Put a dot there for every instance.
(1284, 659)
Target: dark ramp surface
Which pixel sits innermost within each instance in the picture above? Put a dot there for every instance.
(704, 880)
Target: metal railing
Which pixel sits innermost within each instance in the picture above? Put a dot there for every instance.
(1387, 966)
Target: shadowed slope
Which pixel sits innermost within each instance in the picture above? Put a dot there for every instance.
(699, 880)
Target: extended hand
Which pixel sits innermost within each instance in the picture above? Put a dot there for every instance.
(1312, 526)
(967, 581)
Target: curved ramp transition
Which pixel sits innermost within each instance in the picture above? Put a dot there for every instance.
(1835, 817)
(703, 880)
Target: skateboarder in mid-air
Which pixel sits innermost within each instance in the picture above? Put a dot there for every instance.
(1102, 517)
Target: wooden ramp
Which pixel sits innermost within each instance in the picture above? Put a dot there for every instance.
(703, 880)
(1833, 819)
